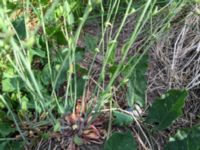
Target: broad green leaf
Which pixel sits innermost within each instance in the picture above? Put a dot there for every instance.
(12, 84)
(3, 145)
(45, 76)
(68, 13)
(122, 119)
(24, 103)
(90, 42)
(9, 73)
(10, 6)
(80, 81)
(58, 65)
(19, 25)
(137, 83)
(63, 74)
(55, 33)
(39, 53)
(112, 70)
(185, 139)
(120, 141)
(6, 129)
(79, 55)
(80, 84)
(167, 109)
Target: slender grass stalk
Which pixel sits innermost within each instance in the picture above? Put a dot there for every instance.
(125, 48)
(157, 32)
(26, 17)
(114, 18)
(46, 41)
(26, 64)
(133, 37)
(73, 46)
(28, 67)
(113, 44)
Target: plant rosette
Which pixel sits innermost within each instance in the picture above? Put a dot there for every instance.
(87, 130)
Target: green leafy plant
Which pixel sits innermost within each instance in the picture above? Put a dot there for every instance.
(166, 109)
(185, 139)
(137, 83)
(120, 141)
(122, 119)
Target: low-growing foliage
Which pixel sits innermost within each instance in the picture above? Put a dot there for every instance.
(167, 109)
(122, 119)
(120, 141)
(137, 84)
(185, 139)
(59, 80)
